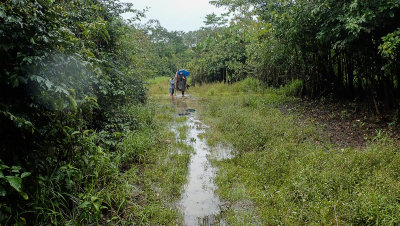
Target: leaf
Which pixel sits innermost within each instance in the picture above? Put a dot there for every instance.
(3, 191)
(60, 89)
(46, 3)
(96, 206)
(75, 132)
(24, 195)
(2, 13)
(15, 182)
(16, 2)
(45, 39)
(23, 219)
(84, 204)
(3, 167)
(15, 169)
(25, 174)
(14, 82)
(93, 198)
(48, 84)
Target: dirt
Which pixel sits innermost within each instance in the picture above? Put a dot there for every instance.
(346, 124)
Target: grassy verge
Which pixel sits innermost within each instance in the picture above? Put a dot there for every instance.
(163, 173)
(159, 177)
(121, 178)
(287, 171)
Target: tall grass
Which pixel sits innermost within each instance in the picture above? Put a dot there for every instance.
(131, 179)
(290, 173)
(158, 86)
(157, 80)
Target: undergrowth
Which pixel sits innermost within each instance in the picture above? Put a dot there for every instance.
(129, 177)
(288, 172)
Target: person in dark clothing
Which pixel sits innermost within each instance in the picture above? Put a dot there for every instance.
(181, 82)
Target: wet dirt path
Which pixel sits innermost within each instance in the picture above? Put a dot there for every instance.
(199, 204)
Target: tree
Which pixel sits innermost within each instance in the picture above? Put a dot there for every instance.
(327, 44)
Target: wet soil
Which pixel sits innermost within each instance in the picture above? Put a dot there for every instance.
(346, 124)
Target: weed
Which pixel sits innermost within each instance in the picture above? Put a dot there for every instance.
(380, 137)
(182, 130)
(293, 88)
(291, 179)
(211, 92)
(344, 114)
(158, 86)
(181, 119)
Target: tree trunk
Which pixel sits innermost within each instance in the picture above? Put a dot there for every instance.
(350, 76)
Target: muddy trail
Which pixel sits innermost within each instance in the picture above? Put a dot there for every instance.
(199, 204)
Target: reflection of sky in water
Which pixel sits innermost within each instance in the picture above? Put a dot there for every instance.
(198, 199)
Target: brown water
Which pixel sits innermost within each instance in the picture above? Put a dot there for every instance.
(199, 204)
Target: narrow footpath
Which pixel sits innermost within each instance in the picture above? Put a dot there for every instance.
(199, 204)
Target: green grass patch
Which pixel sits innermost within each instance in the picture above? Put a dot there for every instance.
(154, 182)
(181, 119)
(120, 178)
(182, 131)
(158, 86)
(157, 80)
(288, 173)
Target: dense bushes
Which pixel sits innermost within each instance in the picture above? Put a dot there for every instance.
(70, 96)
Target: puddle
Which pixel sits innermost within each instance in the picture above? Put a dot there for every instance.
(199, 204)
(221, 152)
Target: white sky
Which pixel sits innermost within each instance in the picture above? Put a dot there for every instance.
(176, 15)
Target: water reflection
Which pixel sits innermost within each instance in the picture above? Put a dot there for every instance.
(198, 202)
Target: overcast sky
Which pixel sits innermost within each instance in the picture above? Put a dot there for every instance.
(176, 15)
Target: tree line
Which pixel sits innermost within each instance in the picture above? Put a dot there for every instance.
(346, 48)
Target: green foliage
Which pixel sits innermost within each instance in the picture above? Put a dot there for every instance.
(11, 177)
(285, 172)
(325, 44)
(163, 50)
(135, 146)
(102, 182)
(72, 112)
(292, 89)
(390, 45)
(215, 21)
(220, 56)
(248, 85)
